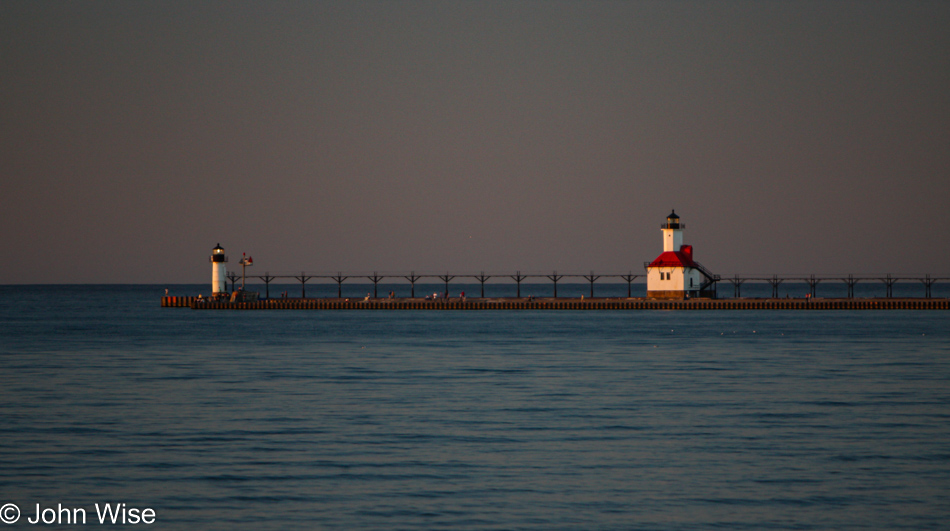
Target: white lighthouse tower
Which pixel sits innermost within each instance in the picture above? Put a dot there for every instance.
(674, 274)
(672, 233)
(218, 272)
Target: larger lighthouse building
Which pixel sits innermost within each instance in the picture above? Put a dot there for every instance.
(674, 274)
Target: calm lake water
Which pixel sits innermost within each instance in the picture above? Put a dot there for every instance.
(472, 420)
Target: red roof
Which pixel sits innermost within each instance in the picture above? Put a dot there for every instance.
(681, 258)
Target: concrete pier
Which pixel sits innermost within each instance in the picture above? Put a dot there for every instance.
(178, 302)
(563, 304)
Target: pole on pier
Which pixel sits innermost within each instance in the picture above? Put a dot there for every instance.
(851, 281)
(775, 282)
(339, 278)
(629, 277)
(412, 278)
(889, 283)
(737, 285)
(303, 278)
(232, 276)
(446, 278)
(554, 278)
(927, 283)
(813, 283)
(518, 277)
(266, 277)
(591, 278)
(245, 261)
(375, 278)
(482, 278)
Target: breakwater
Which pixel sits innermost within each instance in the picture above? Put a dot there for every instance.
(561, 304)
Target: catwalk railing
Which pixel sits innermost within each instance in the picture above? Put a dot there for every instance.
(518, 277)
(412, 278)
(927, 282)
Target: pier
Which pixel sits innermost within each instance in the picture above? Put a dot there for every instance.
(674, 281)
(563, 304)
(814, 292)
(814, 282)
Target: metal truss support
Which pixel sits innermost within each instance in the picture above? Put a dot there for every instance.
(775, 282)
(813, 283)
(412, 278)
(518, 277)
(232, 276)
(851, 281)
(267, 278)
(446, 278)
(554, 277)
(591, 278)
(339, 278)
(482, 277)
(629, 277)
(303, 278)
(927, 283)
(889, 282)
(375, 280)
(737, 285)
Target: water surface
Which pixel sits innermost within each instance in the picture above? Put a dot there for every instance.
(473, 420)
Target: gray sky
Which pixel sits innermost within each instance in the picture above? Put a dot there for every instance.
(791, 136)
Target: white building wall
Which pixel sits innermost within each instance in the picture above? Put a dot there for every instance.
(656, 279)
(218, 277)
(672, 239)
(676, 278)
(693, 280)
(679, 279)
(653, 279)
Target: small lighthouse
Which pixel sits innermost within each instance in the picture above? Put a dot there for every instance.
(674, 274)
(218, 272)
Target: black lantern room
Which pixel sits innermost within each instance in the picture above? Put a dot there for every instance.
(672, 222)
(217, 254)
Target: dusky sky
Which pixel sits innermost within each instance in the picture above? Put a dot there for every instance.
(791, 136)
